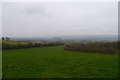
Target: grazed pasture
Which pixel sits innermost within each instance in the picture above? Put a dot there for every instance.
(55, 62)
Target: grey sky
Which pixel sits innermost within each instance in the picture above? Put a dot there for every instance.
(31, 19)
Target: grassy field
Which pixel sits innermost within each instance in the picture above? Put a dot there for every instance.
(54, 62)
(13, 42)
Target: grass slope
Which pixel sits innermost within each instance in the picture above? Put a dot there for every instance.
(54, 62)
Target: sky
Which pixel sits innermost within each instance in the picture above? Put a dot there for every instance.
(45, 19)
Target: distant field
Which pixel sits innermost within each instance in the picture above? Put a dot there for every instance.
(54, 62)
(13, 42)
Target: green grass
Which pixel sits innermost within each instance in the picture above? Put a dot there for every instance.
(54, 62)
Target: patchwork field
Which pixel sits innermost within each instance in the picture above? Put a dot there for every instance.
(55, 62)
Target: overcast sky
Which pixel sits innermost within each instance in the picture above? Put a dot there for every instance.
(32, 19)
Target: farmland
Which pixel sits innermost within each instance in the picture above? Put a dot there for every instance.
(12, 42)
(55, 62)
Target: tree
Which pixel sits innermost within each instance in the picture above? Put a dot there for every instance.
(7, 38)
(3, 38)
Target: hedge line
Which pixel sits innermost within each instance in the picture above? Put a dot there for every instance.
(96, 47)
(28, 45)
